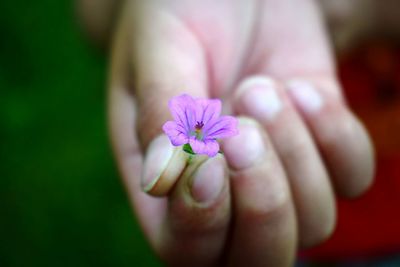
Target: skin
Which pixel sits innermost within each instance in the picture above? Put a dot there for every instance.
(272, 201)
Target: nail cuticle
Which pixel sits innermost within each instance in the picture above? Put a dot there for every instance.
(252, 148)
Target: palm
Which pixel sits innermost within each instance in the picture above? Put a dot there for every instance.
(245, 37)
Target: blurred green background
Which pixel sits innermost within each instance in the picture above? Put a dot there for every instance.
(61, 200)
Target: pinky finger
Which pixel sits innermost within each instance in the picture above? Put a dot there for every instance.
(342, 139)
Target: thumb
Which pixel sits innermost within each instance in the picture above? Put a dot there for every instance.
(168, 60)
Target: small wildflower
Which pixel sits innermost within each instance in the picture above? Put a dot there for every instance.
(197, 124)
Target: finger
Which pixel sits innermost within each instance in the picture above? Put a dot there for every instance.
(195, 229)
(265, 100)
(162, 167)
(122, 122)
(344, 144)
(193, 226)
(167, 61)
(194, 221)
(341, 137)
(264, 231)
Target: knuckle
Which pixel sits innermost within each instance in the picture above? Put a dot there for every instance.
(296, 149)
(263, 200)
(275, 203)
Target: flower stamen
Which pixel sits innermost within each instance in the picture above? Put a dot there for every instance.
(197, 130)
(199, 126)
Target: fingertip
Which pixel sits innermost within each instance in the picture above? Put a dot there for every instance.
(257, 96)
(246, 148)
(163, 165)
(305, 96)
(364, 172)
(341, 137)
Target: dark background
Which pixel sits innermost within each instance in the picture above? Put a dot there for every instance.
(61, 200)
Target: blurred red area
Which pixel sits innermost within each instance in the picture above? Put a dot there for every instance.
(369, 226)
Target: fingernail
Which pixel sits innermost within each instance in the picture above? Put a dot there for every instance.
(158, 155)
(258, 98)
(208, 180)
(243, 150)
(305, 95)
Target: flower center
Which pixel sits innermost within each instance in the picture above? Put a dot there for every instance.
(197, 130)
(199, 126)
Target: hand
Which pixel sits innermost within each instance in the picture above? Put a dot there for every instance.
(273, 190)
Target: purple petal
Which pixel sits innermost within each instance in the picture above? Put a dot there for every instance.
(183, 110)
(207, 147)
(225, 126)
(175, 133)
(207, 110)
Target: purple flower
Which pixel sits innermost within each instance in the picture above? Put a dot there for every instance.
(198, 123)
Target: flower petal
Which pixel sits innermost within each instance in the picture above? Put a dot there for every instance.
(183, 110)
(207, 147)
(225, 126)
(207, 110)
(175, 133)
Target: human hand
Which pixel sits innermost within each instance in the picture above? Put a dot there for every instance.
(273, 190)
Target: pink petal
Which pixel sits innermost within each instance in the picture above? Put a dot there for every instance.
(207, 147)
(225, 126)
(175, 133)
(183, 110)
(207, 110)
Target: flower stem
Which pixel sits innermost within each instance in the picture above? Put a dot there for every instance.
(188, 149)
